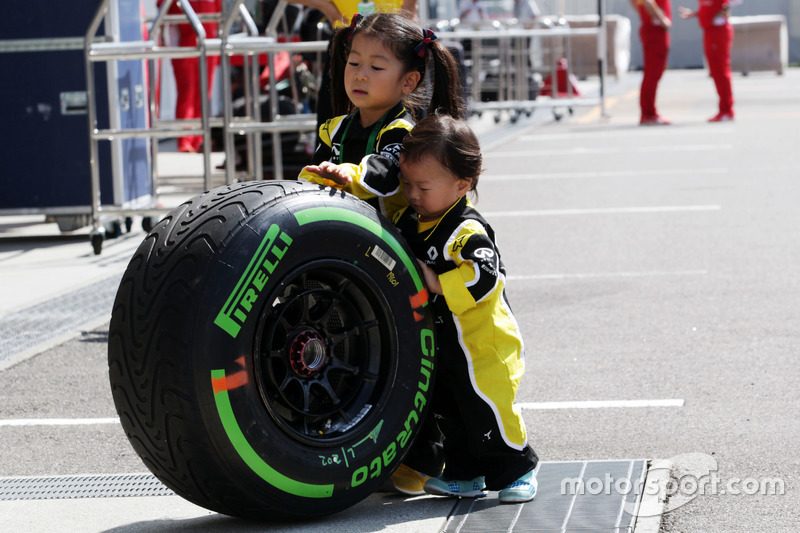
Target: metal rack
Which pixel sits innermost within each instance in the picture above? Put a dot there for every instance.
(514, 65)
(249, 45)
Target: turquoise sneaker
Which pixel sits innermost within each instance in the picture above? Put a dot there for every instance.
(520, 491)
(473, 488)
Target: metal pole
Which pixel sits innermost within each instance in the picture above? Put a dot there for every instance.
(255, 155)
(91, 108)
(602, 46)
(227, 95)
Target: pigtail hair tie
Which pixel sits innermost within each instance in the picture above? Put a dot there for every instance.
(354, 22)
(422, 47)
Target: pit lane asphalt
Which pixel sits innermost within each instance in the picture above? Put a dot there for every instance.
(643, 263)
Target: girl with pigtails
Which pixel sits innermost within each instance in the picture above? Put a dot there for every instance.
(378, 69)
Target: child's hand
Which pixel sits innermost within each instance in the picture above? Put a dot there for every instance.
(431, 278)
(685, 12)
(331, 171)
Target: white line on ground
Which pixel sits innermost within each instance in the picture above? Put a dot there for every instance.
(599, 404)
(608, 174)
(57, 421)
(603, 211)
(639, 133)
(608, 150)
(596, 275)
(572, 502)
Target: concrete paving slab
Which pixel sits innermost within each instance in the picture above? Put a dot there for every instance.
(379, 512)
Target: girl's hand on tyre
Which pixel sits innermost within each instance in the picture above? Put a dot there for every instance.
(338, 174)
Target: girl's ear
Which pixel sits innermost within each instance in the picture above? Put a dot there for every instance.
(410, 81)
(464, 186)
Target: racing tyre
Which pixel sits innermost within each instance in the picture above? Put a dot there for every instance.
(271, 351)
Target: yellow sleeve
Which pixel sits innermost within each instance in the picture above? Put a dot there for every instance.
(476, 274)
(454, 288)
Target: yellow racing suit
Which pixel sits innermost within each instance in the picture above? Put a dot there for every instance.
(479, 349)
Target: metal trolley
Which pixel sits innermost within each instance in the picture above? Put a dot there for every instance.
(508, 61)
(247, 44)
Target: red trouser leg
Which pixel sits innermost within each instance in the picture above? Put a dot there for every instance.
(187, 98)
(717, 42)
(187, 83)
(655, 46)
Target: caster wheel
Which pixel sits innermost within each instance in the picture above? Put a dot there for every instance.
(128, 224)
(147, 224)
(115, 230)
(97, 243)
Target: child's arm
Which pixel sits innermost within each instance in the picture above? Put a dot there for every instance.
(477, 272)
(378, 174)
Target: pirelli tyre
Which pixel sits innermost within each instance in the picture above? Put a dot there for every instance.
(270, 350)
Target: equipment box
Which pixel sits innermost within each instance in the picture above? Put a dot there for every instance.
(44, 157)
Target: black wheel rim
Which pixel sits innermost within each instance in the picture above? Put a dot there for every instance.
(326, 352)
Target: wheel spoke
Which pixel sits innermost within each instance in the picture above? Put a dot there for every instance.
(322, 320)
(325, 384)
(306, 396)
(337, 338)
(285, 383)
(338, 364)
(342, 285)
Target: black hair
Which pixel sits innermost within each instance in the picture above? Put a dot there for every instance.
(448, 140)
(411, 45)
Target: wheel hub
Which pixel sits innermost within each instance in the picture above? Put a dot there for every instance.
(308, 353)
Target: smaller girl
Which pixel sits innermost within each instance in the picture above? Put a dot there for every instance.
(378, 64)
(479, 345)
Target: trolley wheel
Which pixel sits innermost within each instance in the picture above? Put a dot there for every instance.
(497, 118)
(558, 116)
(97, 242)
(114, 229)
(513, 117)
(571, 111)
(147, 224)
(128, 224)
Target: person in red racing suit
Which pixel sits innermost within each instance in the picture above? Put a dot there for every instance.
(713, 17)
(187, 72)
(656, 20)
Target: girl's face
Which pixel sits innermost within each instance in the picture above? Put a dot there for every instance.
(430, 188)
(374, 79)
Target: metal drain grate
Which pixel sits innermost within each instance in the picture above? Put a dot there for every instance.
(70, 487)
(597, 496)
(35, 325)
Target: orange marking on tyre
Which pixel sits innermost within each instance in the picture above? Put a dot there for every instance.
(232, 381)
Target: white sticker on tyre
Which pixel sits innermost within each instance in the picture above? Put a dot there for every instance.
(384, 258)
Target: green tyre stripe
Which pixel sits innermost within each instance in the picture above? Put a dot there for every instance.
(326, 214)
(251, 457)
